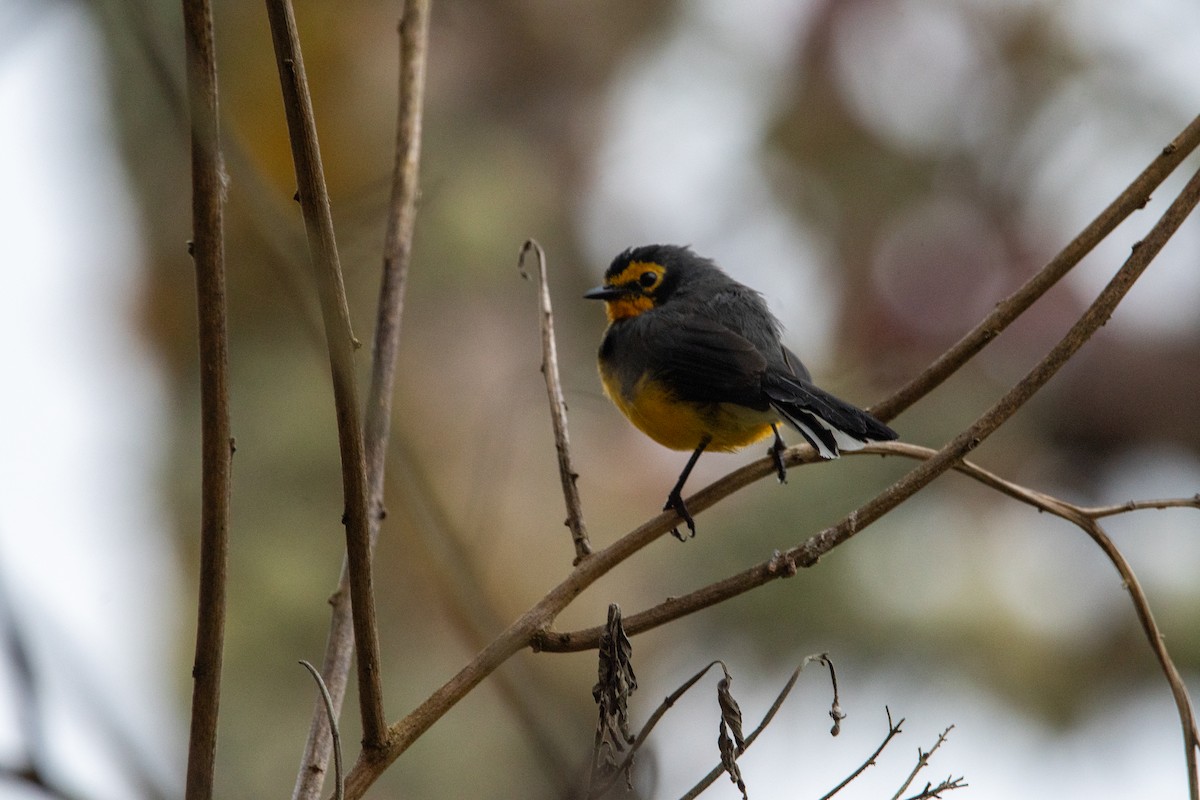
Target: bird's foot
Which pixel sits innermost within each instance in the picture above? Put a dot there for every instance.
(775, 451)
(675, 503)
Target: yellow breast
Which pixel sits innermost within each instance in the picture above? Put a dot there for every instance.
(681, 425)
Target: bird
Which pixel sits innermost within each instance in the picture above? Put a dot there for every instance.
(694, 359)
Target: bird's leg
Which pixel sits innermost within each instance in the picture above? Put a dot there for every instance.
(775, 451)
(675, 498)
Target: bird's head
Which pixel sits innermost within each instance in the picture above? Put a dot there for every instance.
(643, 278)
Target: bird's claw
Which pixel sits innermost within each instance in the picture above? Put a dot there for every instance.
(675, 503)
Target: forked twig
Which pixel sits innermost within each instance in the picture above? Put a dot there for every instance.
(923, 757)
(558, 405)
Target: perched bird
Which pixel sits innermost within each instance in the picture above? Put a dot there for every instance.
(694, 360)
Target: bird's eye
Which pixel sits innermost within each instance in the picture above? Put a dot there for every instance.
(648, 279)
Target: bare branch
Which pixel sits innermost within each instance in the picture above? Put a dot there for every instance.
(1099, 512)
(1183, 703)
(318, 223)
(208, 253)
(1135, 197)
(922, 762)
(558, 406)
(414, 35)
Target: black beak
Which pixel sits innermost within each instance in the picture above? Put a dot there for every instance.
(604, 293)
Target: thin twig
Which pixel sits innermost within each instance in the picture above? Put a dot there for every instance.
(1179, 692)
(668, 702)
(318, 223)
(1135, 197)
(717, 771)
(335, 736)
(922, 762)
(208, 254)
(893, 732)
(339, 648)
(558, 405)
(1099, 512)
(1039, 500)
(932, 792)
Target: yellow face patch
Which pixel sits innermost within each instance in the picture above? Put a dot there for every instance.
(627, 306)
(640, 279)
(645, 274)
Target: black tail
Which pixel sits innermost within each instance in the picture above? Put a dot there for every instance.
(829, 424)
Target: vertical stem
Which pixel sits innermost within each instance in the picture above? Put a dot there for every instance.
(397, 248)
(318, 223)
(558, 406)
(414, 28)
(208, 253)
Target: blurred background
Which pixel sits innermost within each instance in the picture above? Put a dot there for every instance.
(884, 171)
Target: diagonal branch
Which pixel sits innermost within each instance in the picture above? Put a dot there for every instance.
(318, 223)
(1135, 197)
(558, 406)
(208, 253)
(414, 34)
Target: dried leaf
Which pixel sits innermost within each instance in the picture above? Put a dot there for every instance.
(731, 713)
(729, 753)
(730, 740)
(615, 683)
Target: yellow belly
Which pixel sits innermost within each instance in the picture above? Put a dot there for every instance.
(681, 426)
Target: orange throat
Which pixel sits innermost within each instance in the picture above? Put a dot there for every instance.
(628, 306)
